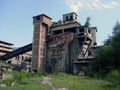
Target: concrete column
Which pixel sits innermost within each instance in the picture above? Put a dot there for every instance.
(41, 24)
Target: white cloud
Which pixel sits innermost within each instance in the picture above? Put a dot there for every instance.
(77, 5)
(96, 4)
(74, 5)
(110, 5)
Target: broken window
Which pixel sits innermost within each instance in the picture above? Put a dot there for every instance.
(71, 17)
(66, 18)
(9, 62)
(58, 32)
(38, 18)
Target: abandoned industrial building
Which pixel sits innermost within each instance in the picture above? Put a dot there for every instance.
(5, 47)
(63, 46)
(14, 62)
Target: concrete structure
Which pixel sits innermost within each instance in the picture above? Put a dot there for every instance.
(15, 59)
(64, 46)
(5, 47)
(21, 62)
(41, 24)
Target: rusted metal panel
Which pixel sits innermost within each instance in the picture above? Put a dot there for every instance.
(63, 38)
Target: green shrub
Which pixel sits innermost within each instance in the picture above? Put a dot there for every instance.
(114, 77)
(35, 74)
(32, 74)
(98, 75)
(42, 74)
(8, 82)
(19, 76)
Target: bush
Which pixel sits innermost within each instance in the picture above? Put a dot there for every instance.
(42, 74)
(114, 77)
(35, 74)
(19, 76)
(8, 82)
(32, 74)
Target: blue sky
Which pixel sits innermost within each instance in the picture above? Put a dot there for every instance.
(16, 16)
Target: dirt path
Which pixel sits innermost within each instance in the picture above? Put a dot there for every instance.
(46, 81)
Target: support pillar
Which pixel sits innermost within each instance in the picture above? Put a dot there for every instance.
(41, 24)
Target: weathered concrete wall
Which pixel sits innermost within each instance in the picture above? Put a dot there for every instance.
(60, 51)
(74, 50)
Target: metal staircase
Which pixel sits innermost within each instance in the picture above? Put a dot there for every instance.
(85, 40)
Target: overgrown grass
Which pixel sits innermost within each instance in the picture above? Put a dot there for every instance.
(114, 78)
(24, 81)
(60, 80)
(27, 87)
(79, 83)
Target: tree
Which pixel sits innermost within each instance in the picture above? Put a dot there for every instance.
(108, 41)
(87, 23)
(116, 49)
(116, 28)
(116, 45)
(103, 60)
(108, 56)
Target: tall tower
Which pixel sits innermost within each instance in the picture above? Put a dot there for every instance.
(41, 25)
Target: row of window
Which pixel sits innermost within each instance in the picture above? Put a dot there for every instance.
(5, 49)
(5, 45)
(20, 57)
